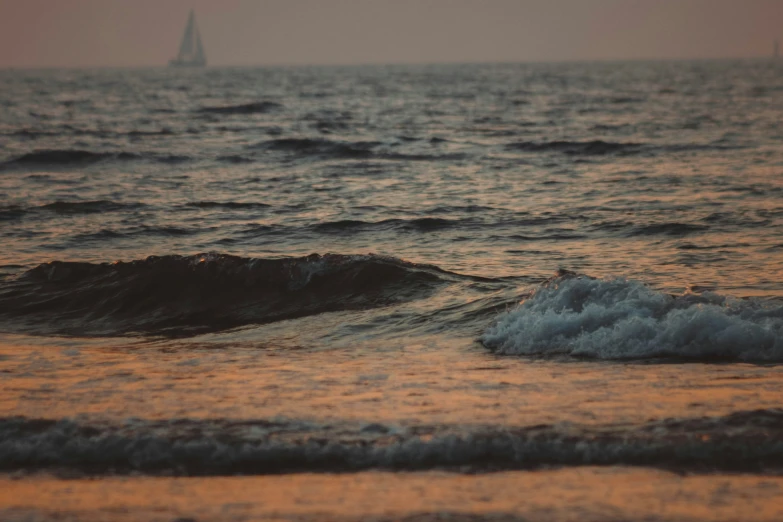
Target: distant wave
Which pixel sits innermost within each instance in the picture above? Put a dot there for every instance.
(139, 134)
(334, 149)
(586, 148)
(69, 130)
(606, 148)
(88, 207)
(746, 441)
(78, 158)
(618, 100)
(459, 209)
(321, 147)
(262, 107)
(11, 212)
(652, 229)
(317, 148)
(108, 234)
(420, 224)
(231, 205)
(186, 295)
(66, 157)
(67, 207)
(234, 159)
(581, 316)
(669, 229)
(32, 134)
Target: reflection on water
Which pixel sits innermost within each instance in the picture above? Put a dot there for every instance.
(662, 172)
(408, 384)
(559, 495)
(446, 195)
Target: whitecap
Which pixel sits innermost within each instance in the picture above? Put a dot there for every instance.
(625, 319)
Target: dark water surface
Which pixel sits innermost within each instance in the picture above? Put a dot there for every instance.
(253, 271)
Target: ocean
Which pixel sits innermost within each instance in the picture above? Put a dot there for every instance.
(433, 292)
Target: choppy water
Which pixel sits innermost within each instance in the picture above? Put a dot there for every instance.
(253, 271)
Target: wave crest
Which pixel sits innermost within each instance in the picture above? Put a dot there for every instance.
(622, 319)
(186, 295)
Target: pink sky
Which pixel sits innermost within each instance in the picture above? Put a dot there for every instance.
(70, 33)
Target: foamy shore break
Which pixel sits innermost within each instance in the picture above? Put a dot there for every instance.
(581, 316)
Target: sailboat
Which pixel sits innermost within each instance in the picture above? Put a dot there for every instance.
(191, 51)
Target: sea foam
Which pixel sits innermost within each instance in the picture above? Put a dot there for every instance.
(625, 319)
(747, 441)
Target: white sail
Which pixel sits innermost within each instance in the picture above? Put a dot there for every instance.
(200, 56)
(186, 47)
(191, 51)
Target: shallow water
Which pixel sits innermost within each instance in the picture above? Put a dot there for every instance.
(558, 495)
(293, 270)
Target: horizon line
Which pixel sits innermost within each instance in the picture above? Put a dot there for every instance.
(165, 65)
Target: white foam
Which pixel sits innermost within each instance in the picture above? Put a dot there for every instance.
(623, 319)
(747, 441)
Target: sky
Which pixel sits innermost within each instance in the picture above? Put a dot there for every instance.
(90, 33)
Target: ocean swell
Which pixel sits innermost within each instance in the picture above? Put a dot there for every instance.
(186, 295)
(581, 316)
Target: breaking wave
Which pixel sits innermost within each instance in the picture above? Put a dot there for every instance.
(186, 295)
(581, 316)
(747, 441)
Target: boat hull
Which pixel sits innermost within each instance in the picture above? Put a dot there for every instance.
(181, 63)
